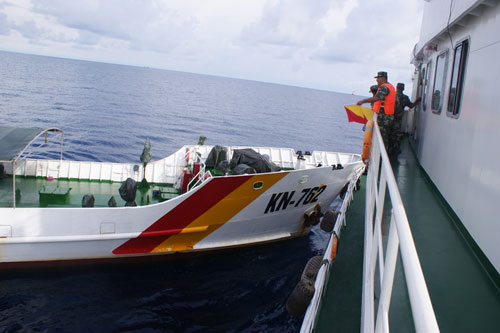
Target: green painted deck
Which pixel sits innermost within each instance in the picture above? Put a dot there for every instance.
(39, 192)
(465, 297)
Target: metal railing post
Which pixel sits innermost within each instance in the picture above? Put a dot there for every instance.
(387, 279)
(421, 306)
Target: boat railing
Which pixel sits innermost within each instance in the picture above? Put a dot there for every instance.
(375, 316)
(202, 175)
(381, 177)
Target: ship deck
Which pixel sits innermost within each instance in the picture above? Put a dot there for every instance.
(40, 192)
(463, 290)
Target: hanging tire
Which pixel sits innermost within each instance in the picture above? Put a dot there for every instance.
(299, 299)
(329, 219)
(343, 191)
(312, 268)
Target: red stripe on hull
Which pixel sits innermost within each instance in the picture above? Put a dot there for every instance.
(182, 215)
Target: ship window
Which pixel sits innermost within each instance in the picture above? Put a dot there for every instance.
(426, 84)
(420, 87)
(439, 82)
(457, 78)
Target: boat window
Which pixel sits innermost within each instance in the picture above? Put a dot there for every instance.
(258, 185)
(426, 84)
(439, 82)
(457, 78)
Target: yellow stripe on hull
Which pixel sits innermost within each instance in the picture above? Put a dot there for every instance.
(218, 215)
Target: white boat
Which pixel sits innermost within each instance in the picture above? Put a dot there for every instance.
(189, 205)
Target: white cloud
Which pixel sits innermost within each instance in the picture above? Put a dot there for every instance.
(380, 36)
(4, 25)
(298, 23)
(150, 26)
(288, 23)
(87, 38)
(327, 44)
(30, 30)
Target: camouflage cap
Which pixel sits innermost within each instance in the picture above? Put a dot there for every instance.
(374, 88)
(400, 86)
(381, 74)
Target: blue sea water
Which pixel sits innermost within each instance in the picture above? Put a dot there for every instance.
(107, 111)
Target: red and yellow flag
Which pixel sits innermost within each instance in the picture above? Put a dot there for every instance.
(358, 113)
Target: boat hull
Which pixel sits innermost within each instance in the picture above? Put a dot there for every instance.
(223, 212)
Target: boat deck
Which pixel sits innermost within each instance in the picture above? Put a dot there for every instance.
(39, 192)
(464, 296)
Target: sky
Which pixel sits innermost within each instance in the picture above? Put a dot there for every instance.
(335, 45)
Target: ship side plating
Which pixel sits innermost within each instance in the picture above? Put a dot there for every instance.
(454, 130)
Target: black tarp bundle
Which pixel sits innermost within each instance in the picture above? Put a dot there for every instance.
(112, 202)
(127, 191)
(217, 155)
(88, 200)
(252, 159)
(242, 169)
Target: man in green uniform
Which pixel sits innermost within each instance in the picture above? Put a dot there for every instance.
(402, 101)
(383, 104)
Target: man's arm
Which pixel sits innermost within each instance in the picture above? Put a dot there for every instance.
(381, 94)
(409, 104)
(368, 100)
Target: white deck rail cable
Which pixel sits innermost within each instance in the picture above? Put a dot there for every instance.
(380, 177)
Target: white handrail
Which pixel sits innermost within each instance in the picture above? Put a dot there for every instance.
(376, 184)
(202, 175)
(399, 234)
(22, 152)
